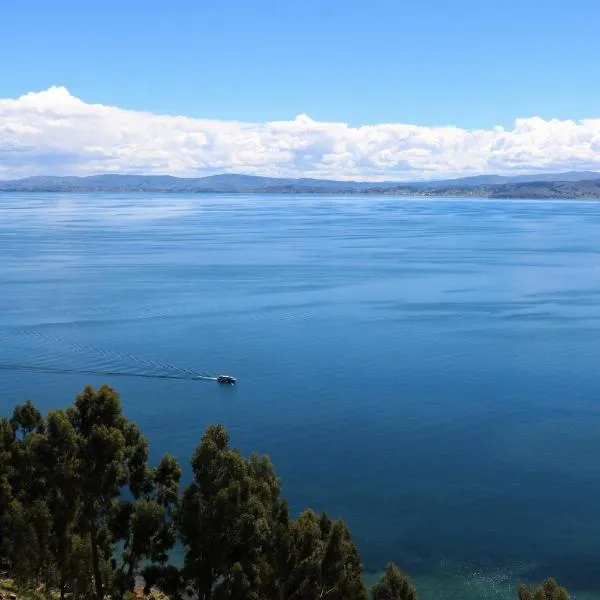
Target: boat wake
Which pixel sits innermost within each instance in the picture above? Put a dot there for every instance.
(82, 359)
(101, 373)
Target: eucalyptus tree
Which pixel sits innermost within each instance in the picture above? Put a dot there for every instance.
(228, 521)
(394, 585)
(112, 457)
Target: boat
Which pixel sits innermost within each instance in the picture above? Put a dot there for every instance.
(226, 379)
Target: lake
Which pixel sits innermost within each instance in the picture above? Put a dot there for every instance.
(427, 369)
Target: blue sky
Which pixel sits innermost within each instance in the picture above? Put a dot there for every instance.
(430, 62)
(325, 88)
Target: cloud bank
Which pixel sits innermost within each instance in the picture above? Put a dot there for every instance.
(53, 132)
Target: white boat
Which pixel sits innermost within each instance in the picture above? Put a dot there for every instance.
(226, 379)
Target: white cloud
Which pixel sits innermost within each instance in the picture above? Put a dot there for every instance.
(53, 132)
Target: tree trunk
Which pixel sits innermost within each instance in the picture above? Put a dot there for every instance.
(205, 587)
(96, 563)
(62, 566)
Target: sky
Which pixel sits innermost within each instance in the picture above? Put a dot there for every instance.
(348, 89)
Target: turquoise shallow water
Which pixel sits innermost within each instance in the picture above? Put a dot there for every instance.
(426, 369)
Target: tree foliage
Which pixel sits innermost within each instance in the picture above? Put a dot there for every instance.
(82, 513)
(394, 585)
(226, 520)
(323, 561)
(74, 485)
(549, 590)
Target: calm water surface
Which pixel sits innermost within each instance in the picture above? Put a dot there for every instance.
(426, 369)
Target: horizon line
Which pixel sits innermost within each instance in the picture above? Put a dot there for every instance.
(304, 177)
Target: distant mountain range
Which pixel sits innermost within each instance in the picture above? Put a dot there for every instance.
(572, 184)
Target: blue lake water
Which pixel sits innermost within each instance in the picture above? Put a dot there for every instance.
(429, 370)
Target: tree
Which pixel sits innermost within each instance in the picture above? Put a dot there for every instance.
(74, 486)
(57, 457)
(7, 439)
(226, 521)
(394, 585)
(303, 576)
(26, 527)
(145, 526)
(341, 569)
(79, 568)
(112, 456)
(26, 419)
(549, 590)
(323, 560)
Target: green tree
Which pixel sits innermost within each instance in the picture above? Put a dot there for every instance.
(226, 521)
(73, 486)
(7, 439)
(26, 521)
(341, 567)
(145, 525)
(303, 580)
(26, 419)
(76, 485)
(549, 590)
(57, 457)
(112, 458)
(323, 560)
(394, 585)
(79, 568)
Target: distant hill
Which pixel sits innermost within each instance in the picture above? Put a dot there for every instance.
(164, 183)
(572, 184)
(500, 179)
(587, 189)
